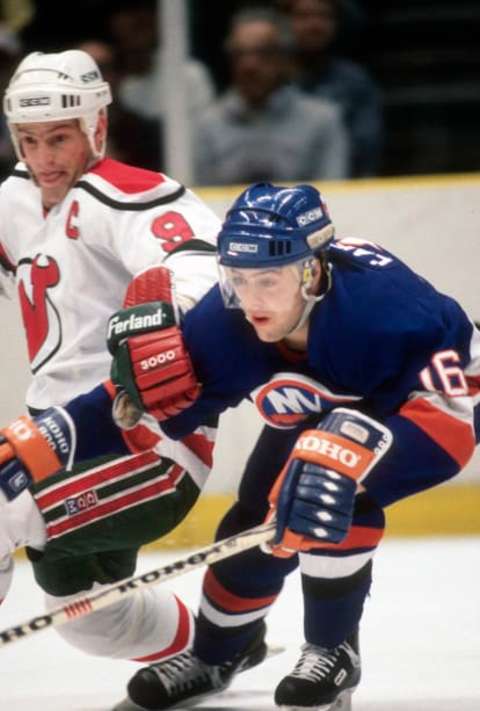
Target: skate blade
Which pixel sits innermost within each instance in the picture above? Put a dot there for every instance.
(342, 703)
(129, 705)
(274, 649)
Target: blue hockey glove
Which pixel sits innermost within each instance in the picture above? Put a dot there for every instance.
(313, 498)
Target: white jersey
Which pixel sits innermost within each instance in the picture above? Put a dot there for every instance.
(73, 265)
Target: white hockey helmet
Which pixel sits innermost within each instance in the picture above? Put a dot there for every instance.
(54, 87)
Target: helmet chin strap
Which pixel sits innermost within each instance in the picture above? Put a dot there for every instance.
(310, 300)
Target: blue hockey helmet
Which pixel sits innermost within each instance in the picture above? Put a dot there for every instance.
(273, 226)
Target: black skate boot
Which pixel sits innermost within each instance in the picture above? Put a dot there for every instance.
(184, 680)
(322, 680)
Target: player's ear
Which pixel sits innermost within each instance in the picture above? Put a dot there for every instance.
(317, 272)
(101, 130)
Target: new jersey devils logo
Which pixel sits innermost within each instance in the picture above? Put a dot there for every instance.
(40, 317)
(289, 398)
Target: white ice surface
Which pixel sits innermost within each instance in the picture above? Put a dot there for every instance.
(420, 640)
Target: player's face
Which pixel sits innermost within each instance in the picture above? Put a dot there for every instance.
(57, 154)
(270, 298)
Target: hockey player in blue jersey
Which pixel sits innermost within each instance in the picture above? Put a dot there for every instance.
(367, 379)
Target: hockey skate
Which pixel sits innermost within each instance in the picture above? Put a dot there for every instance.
(184, 680)
(322, 680)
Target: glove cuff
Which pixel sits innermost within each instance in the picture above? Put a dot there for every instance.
(136, 320)
(32, 446)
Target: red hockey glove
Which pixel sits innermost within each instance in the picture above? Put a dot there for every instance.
(313, 498)
(31, 450)
(150, 361)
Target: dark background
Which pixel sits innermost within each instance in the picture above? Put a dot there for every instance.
(424, 54)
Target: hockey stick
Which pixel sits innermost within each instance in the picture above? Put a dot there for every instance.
(82, 606)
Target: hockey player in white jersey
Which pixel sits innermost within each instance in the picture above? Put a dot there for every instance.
(75, 229)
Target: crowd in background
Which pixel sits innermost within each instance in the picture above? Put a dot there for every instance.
(278, 90)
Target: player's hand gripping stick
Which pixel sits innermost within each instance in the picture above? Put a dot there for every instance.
(312, 500)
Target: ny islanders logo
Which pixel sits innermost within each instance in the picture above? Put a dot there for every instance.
(40, 317)
(289, 398)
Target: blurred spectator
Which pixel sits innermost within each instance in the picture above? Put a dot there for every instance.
(132, 138)
(16, 13)
(262, 128)
(315, 25)
(10, 56)
(133, 26)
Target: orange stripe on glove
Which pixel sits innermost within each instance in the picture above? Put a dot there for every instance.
(26, 443)
(330, 451)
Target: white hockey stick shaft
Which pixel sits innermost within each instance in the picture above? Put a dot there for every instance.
(85, 605)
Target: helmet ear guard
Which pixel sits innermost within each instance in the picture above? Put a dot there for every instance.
(321, 238)
(56, 87)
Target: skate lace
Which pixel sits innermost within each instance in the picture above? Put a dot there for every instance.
(316, 663)
(186, 671)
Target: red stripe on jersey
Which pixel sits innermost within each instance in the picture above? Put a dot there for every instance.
(229, 601)
(114, 506)
(473, 382)
(125, 177)
(140, 438)
(452, 435)
(358, 537)
(110, 388)
(201, 446)
(289, 419)
(181, 640)
(93, 479)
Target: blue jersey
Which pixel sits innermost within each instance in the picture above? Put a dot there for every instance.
(382, 341)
